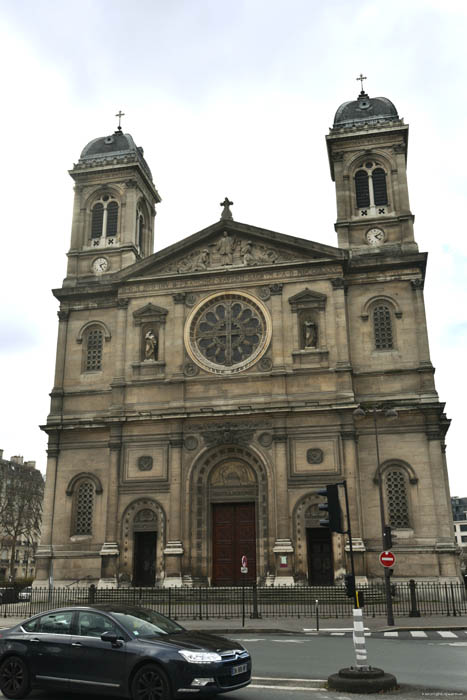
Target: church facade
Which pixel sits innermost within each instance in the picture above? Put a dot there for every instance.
(203, 394)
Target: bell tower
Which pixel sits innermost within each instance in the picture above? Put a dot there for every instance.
(114, 208)
(367, 148)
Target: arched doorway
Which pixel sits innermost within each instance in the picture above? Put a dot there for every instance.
(229, 497)
(143, 542)
(233, 495)
(315, 552)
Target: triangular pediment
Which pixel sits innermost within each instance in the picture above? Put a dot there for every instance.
(229, 245)
(307, 299)
(149, 312)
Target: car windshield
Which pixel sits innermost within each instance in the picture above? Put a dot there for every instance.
(146, 623)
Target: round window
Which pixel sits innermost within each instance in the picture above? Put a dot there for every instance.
(228, 332)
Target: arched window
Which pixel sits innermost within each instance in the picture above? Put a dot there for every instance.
(104, 219)
(396, 497)
(362, 189)
(380, 192)
(370, 186)
(382, 326)
(93, 349)
(84, 507)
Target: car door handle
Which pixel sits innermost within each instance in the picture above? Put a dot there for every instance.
(34, 639)
(76, 644)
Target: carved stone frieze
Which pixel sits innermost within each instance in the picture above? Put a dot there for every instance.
(229, 251)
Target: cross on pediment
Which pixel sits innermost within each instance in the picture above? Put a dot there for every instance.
(226, 213)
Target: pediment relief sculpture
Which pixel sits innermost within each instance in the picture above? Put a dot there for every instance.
(230, 251)
(232, 474)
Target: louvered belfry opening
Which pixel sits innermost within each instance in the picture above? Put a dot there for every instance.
(97, 220)
(362, 188)
(380, 192)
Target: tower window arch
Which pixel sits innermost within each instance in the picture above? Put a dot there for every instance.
(104, 217)
(382, 327)
(139, 229)
(83, 508)
(396, 498)
(93, 349)
(370, 185)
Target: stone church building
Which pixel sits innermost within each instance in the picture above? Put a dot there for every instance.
(204, 393)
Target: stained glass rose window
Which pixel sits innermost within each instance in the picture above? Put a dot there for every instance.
(227, 332)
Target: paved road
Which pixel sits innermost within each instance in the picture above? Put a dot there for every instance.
(295, 667)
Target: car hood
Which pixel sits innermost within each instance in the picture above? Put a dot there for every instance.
(196, 640)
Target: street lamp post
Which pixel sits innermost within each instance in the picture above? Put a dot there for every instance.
(389, 413)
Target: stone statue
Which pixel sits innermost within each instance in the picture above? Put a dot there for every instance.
(310, 334)
(225, 249)
(247, 254)
(202, 260)
(150, 346)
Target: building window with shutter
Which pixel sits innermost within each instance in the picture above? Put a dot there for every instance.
(362, 189)
(396, 497)
(382, 326)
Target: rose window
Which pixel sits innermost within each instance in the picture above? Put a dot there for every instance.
(227, 332)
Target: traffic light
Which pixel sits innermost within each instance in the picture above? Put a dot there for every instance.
(334, 520)
(349, 583)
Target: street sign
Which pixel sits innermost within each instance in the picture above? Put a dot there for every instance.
(387, 559)
(243, 569)
(244, 561)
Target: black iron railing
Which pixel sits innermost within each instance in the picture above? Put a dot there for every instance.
(201, 603)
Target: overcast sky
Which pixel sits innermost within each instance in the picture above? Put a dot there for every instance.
(227, 97)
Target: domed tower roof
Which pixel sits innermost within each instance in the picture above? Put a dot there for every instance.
(118, 148)
(365, 110)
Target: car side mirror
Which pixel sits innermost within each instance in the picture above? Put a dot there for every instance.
(112, 638)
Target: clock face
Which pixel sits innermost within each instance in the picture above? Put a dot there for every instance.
(375, 236)
(100, 265)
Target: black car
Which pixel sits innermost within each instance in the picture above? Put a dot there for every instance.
(118, 650)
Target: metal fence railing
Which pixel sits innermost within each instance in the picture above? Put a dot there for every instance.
(203, 602)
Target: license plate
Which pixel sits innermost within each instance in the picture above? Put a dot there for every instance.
(239, 669)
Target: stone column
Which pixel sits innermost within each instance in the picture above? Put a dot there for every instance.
(118, 382)
(425, 368)
(44, 555)
(176, 340)
(277, 327)
(56, 395)
(343, 366)
(173, 551)
(283, 547)
(110, 550)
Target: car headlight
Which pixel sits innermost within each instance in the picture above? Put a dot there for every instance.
(200, 657)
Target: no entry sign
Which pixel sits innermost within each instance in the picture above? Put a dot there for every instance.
(387, 559)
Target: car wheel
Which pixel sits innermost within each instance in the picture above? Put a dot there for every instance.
(150, 683)
(14, 678)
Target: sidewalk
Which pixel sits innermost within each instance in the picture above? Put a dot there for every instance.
(297, 625)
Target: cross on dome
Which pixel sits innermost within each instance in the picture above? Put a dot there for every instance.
(120, 114)
(361, 78)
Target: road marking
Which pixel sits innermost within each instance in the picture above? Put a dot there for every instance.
(332, 629)
(418, 633)
(289, 641)
(251, 639)
(445, 633)
(337, 634)
(295, 680)
(284, 687)
(391, 634)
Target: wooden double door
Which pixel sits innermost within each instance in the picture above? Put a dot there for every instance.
(233, 536)
(320, 559)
